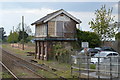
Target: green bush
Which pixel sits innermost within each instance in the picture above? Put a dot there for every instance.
(91, 37)
(92, 66)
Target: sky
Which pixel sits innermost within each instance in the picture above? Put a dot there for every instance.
(12, 12)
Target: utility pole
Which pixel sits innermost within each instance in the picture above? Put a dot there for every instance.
(13, 36)
(23, 32)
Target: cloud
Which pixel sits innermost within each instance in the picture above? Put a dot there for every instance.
(85, 17)
(9, 18)
(27, 11)
(13, 17)
(115, 6)
(59, 0)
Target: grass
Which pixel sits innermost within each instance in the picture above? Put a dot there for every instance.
(65, 74)
(6, 75)
(55, 64)
(92, 66)
(22, 74)
(46, 74)
(62, 69)
(16, 50)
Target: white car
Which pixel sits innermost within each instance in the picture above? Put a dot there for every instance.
(102, 56)
(90, 52)
(98, 48)
(83, 51)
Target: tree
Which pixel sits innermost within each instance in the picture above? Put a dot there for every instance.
(91, 37)
(61, 54)
(20, 37)
(13, 37)
(27, 28)
(117, 36)
(2, 34)
(103, 24)
(23, 32)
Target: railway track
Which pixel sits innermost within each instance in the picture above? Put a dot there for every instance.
(14, 76)
(22, 68)
(11, 60)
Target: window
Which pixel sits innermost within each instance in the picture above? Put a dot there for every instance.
(112, 54)
(59, 28)
(42, 30)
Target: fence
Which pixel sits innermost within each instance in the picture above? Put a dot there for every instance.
(108, 69)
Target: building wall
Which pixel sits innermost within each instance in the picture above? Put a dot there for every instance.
(62, 26)
(61, 17)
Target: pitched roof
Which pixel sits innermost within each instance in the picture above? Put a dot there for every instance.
(54, 14)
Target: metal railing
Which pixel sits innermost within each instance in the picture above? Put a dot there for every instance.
(108, 69)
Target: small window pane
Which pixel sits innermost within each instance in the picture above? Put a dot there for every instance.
(59, 28)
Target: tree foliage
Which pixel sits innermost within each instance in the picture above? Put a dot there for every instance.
(27, 28)
(61, 54)
(91, 37)
(22, 36)
(2, 34)
(104, 24)
(18, 37)
(59, 49)
(117, 36)
(13, 37)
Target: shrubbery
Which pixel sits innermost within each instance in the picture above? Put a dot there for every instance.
(91, 37)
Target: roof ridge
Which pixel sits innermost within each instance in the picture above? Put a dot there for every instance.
(53, 14)
(48, 15)
(55, 11)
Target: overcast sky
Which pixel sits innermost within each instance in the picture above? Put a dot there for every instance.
(11, 12)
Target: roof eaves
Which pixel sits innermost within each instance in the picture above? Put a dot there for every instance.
(42, 20)
(63, 11)
(54, 15)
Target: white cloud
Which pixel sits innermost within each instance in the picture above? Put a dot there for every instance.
(59, 0)
(27, 11)
(13, 17)
(115, 6)
(85, 17)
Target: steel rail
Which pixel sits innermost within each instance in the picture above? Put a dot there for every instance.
(22, 65)
(9, 71)
(24, 61)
